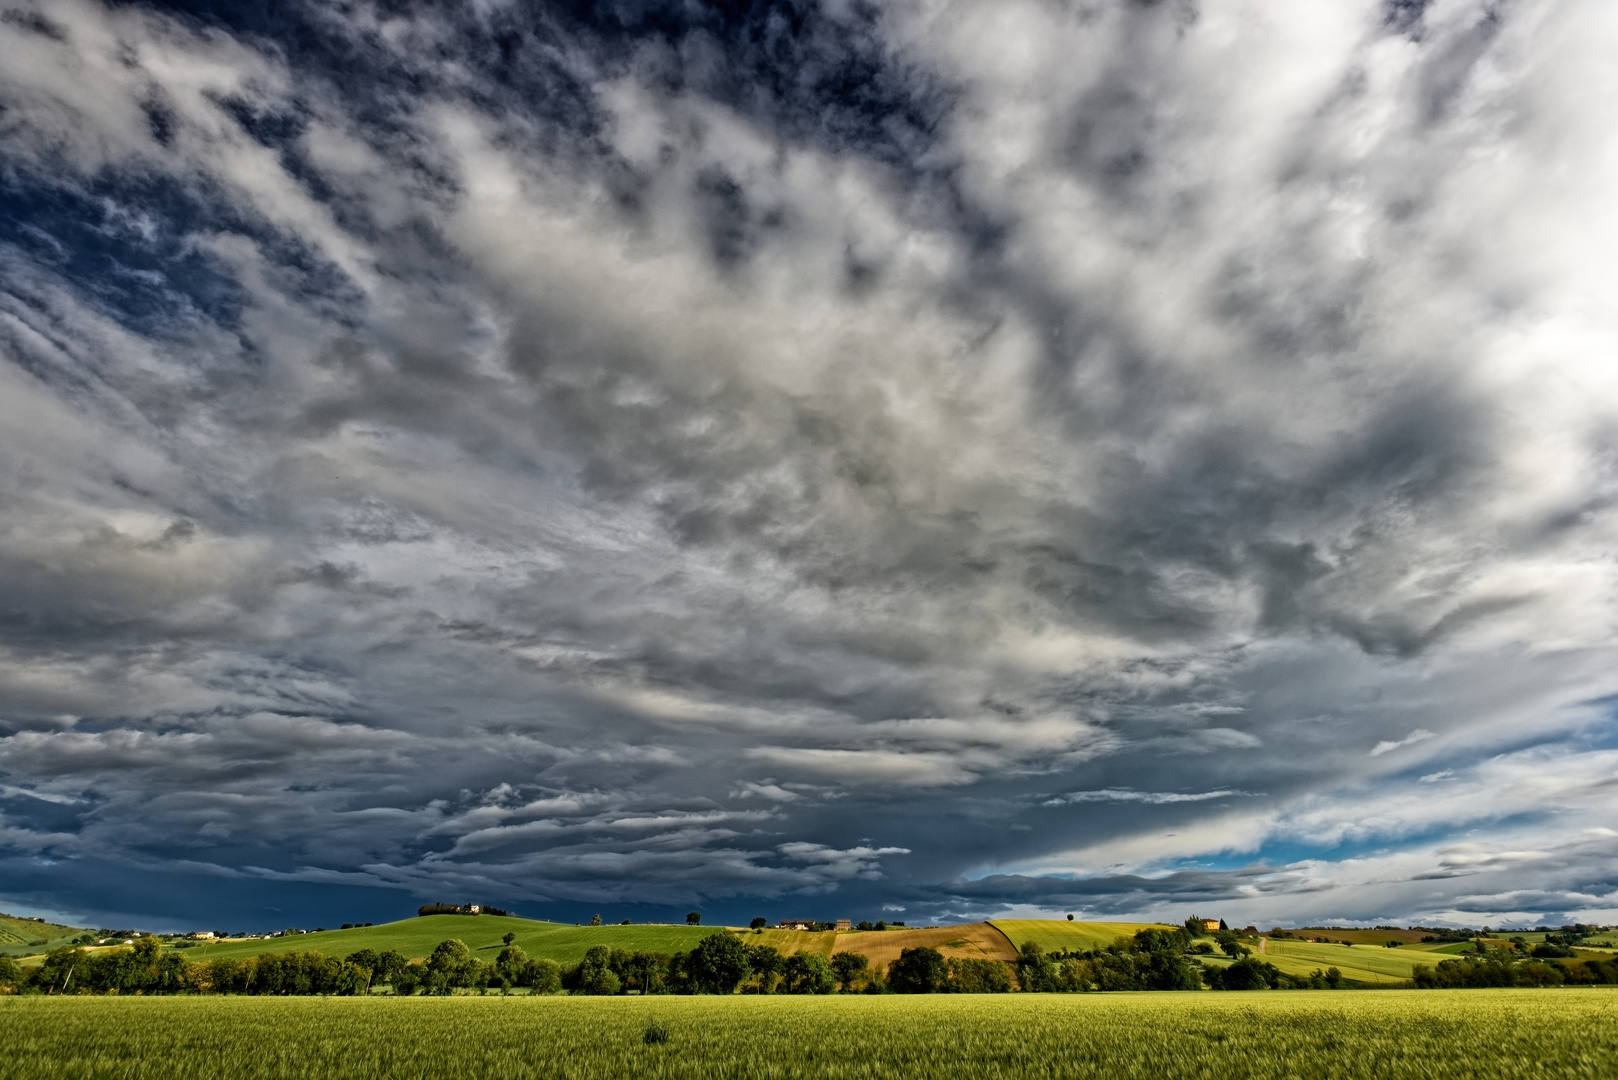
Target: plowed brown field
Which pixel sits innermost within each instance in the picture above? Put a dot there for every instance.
(881, 947)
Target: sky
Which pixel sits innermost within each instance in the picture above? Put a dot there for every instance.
(922, 460)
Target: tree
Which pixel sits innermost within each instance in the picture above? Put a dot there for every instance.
(450, 965)
(544, 976)
(766, 962)
(10, 972)
(595, 972)
(848, 966)
(1070, 918)
(1195, 926)
(718, 964)
(644, 971)
(808, 973)
(512, 965)
(1245, 974)
(919, 971)
(1222, 925)
(1035, 973)
(972, 976)
(758, 922)
(693, 918)
(508, 937)
(595, 920)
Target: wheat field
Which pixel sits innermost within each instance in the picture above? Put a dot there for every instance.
(1375, 1035)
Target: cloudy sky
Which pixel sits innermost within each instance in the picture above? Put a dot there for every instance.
(817, 459)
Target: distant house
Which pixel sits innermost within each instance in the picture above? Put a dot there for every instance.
(845, 924)
(1210, 925)
(201, 935)
(795, 924)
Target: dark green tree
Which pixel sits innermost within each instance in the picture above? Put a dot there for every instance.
(1035, 972)
(848, 966)
(512, 965)
(808, 973)
(449, 966)
(508, 937)
(693, 918)
(718, 964)
(595, 972)
(918, 971)
(767, 963)
(757, 922)
(972, 976)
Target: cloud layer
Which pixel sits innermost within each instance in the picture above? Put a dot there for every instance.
(950, 457)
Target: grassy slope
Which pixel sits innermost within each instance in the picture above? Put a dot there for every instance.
(787, 942)
(1351, 1035)
(561, 942)
(1362, 937)
(980, 941)
(1362, 963)
(24, 937)
(1054, 935)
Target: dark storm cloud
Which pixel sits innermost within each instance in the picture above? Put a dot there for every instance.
(961, 458)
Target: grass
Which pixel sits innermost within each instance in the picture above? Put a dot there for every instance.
(1054, 935)
(1362, 963)
(562, 942)
(1350, 1035)
(24, 937)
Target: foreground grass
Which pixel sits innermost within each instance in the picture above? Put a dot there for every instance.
(1348, 1035)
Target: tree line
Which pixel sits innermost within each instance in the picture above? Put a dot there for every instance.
(1156, 958)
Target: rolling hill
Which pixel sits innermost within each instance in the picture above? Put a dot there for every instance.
(26, 937)
(980, 941)
(1055, 935)
(563, 942)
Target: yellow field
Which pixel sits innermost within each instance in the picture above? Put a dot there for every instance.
(787, 942)
(980, 941)
(1343, 1035)
(1054, 935)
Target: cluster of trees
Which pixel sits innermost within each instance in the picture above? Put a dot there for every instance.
(721, 963)
(144, 968)
(1504, 967)
(459, 909)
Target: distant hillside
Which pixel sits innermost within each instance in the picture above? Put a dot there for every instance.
(562, 942)
(1059, 935)
(24, 937)
(979, 941)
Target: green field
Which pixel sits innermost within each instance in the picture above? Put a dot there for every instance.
(1362, 963)
(562, 942)
(24, 937)
(1348, 1035)
(1056, 935)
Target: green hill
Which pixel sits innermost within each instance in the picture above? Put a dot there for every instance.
(562, 942)
(25, 937)
(1362, 963)
(1057, 935)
